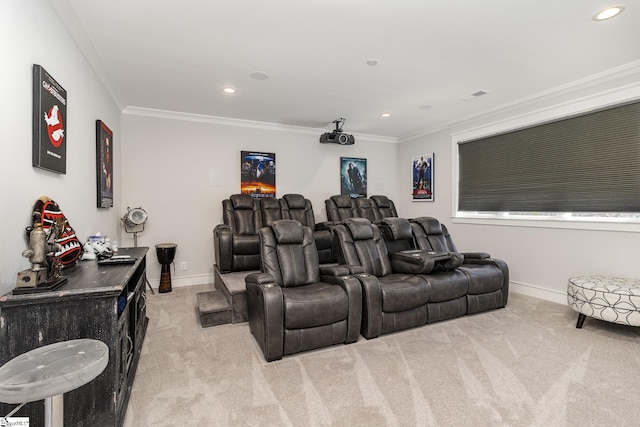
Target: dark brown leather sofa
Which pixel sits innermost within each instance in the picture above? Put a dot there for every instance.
(294, 304)
(411, 285)
(374, 208)
(236, 241)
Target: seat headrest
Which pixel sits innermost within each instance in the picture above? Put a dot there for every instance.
(287, 231)
(397, 228)
(295, 201)
(381, 201)
(270, 203)
(241, 201)
(430, 225)
(360, 228)
(341, 201)
(363, 202)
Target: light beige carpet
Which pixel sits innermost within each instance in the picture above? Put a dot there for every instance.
(525, 365)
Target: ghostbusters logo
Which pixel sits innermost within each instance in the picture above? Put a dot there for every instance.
(55, 129)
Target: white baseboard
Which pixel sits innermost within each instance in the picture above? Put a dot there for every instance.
(538, 292)
(178, 282)
(516, 287)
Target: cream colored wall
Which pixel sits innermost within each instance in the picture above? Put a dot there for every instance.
(179, 168)
(30, 32)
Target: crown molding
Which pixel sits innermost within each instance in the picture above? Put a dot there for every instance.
(251, 124)
(69, 18)
(621, 76)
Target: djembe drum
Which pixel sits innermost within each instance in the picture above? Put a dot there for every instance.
(165, 252)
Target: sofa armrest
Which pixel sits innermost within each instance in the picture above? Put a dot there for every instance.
(502, 265)
(266, 318)
(352, 288)
(476, 255)
(371, 305)
(259, 279)
(222, 247)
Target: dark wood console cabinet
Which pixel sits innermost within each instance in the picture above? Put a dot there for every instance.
(107, 303)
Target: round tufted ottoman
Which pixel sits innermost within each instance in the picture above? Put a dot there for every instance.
(614, 299)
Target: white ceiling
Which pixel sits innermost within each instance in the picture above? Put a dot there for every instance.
(178, 55)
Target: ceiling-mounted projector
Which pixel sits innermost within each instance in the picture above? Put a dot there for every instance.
(337, 136)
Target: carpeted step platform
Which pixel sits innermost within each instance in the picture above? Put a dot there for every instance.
(234, 289)
(213, 308)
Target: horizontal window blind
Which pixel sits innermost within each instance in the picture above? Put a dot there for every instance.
(587, 163)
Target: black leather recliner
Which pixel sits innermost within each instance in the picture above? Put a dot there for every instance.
(236, 242)
(294, 305)
(394, 298)
(449, 286)
(488, 277)
(383, 207)
(374, 208)
(270, 210)
(339, 207)
(398, 234)
(363, 208)
(295, 206)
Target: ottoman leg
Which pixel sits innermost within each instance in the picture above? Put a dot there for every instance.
(581, 318)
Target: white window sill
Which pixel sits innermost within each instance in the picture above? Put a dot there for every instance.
(560, 221)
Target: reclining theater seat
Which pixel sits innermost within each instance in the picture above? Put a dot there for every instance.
(392, 300)
(449, 286)
(236, 242)
(398, 235)
(294, 305)
(363, 208)
(383, 207)
(488, 277)
(270, 210)
(295, 206)
(339, 207)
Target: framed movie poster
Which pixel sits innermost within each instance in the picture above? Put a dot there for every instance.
(49, 122)
(258, 174)
(422, 172)
(353, 177)
(104, 164)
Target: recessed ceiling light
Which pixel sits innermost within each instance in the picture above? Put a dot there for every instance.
(372, 62)
(608, 13)
(425, 106)
(229, 90)
(259, 75)
(385, 115)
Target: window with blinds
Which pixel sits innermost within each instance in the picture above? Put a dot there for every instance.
(586, 163)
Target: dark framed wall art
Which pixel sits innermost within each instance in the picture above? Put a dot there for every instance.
(258, 174)
(422, 173)
(49, 122)
(353, 177)
(104, 164)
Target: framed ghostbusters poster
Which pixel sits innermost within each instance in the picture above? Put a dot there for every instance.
(49, 122)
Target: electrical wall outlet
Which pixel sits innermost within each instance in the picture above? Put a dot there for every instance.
(183, 265)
